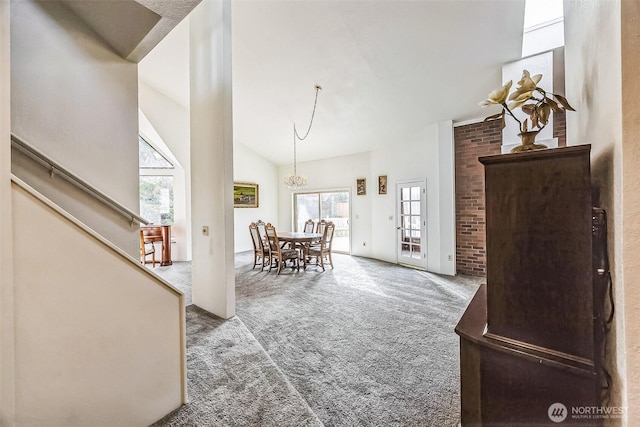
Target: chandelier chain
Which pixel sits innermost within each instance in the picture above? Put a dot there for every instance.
(313, 113)
(295, 181)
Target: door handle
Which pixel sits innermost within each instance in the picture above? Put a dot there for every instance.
(398, 227)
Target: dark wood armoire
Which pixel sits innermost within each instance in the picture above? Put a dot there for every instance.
(527, 339)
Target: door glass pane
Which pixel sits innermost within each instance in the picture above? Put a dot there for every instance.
(415, 251)
(334, 207)
(415, 208)
(307, 207)
(415, 193)
(406, 194)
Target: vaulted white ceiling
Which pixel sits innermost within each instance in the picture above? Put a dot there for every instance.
(388, 69)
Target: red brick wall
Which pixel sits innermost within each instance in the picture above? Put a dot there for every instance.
(472, 141)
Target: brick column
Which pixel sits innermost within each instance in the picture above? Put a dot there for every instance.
(472, 141)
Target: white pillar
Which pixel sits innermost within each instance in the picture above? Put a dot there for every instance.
(7, 367)
(213, 279)
(446, 198)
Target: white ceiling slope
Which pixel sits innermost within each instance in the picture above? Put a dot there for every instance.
(388, 69)
(132, 27)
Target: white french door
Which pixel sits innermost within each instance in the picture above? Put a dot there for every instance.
(412, 223)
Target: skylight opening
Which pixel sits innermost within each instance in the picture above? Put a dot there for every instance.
(543, 26)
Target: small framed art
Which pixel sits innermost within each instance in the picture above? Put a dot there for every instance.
(382, 184)
(245, 195)
(361, 186)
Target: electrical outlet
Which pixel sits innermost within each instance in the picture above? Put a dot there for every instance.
(205, 230)
(450, 257)
(390, 217)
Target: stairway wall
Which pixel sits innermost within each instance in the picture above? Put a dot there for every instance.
(74, 99)
(99, 339)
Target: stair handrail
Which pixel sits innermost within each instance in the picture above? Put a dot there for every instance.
(56, 169)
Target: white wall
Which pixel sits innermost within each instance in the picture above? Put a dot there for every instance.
(430, 157)
(426, 156)
(329, 174)
(75, 100)
(248, 166)
(446, 250)
(7, 390)
(99, 340)
(602, 55)
(165, 125)
(164, 102)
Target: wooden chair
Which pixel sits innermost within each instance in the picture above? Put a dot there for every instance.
(320, 226)
(147, 248)
(260, 223)
(279, 255)
(309, 226)
(260, 252)
(322, 250)
(263, 233)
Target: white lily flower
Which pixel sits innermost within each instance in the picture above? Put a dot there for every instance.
(515, 104)
(498, 96)
(524, 96)
(528, 82)
(534, 102)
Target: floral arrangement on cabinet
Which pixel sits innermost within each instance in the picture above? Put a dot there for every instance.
(533, 101)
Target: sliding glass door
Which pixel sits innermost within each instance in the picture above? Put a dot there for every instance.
(328, 205)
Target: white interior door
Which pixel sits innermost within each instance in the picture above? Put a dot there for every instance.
(412, 223)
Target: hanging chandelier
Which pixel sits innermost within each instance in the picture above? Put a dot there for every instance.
(295, 181)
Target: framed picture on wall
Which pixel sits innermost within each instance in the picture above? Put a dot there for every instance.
(245, 195)
(361, 186)
(382, 184)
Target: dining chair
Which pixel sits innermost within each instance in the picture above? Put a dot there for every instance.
(261, 252)
(322, 250)
(280, 255)
(320, 226)
(147, 248)
(260, 223)
(309, 226)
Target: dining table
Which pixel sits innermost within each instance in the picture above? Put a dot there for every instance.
(297, 238)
